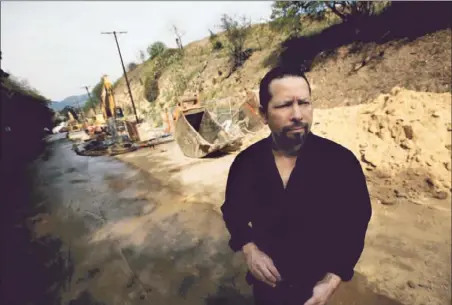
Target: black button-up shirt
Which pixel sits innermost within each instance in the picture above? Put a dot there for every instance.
(317, 224)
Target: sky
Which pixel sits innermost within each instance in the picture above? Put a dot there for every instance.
(58, 48)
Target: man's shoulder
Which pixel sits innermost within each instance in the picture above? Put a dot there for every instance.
(253, 152)
(333, 149)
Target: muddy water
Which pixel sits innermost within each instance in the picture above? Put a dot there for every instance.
(116, 236)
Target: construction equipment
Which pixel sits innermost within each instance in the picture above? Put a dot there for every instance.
(118, 124)
(248, 117)
(197, 133)
(107, 101)
(73, 123)
(75, 130)
(113, 115)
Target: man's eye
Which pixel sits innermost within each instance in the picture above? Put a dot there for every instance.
(284, 105)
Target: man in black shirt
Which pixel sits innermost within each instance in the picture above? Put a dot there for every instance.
(296, 204)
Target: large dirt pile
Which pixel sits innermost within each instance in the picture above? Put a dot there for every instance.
(403, 140)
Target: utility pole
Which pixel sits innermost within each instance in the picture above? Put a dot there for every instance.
(124, 69)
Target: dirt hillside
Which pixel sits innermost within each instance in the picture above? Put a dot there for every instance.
(352, 74)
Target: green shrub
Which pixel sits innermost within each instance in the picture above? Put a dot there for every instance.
(236, 33)
(131, 66)
(215, 42)
(156, 49)
(151, 86)
(218, 45)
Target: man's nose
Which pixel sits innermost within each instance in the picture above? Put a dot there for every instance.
(297, 113)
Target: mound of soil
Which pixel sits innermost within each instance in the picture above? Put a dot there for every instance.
(402, 139)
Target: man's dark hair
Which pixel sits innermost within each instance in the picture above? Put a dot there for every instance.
(277, 73)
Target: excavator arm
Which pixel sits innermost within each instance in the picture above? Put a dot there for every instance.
(108, 104)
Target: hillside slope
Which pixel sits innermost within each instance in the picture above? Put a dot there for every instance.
(347, 75)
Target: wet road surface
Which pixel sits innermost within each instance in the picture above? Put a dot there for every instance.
(106, 233)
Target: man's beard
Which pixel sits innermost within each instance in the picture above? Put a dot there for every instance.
(290, 144)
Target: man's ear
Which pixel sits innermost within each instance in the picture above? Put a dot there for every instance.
(263, 115)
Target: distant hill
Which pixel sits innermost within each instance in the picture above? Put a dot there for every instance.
(70, 101)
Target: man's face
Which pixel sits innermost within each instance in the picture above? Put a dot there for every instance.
(289, 113)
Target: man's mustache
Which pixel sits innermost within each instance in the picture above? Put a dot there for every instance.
(297, 126)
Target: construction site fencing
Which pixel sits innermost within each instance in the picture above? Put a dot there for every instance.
(226, 112)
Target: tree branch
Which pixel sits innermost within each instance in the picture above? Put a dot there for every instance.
(332, 7)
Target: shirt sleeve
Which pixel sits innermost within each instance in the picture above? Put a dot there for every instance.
(353, 214)
(236, 207)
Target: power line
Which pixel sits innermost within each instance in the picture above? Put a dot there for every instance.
(124, 69)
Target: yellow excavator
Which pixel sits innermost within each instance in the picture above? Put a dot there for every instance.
(116, 123)
(136, 131)
(108, 105)
(111, 113)
(73, 122)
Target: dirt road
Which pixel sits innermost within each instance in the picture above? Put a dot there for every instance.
(106, 233)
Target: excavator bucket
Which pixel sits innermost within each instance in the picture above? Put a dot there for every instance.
(198, 134)
(248, 117)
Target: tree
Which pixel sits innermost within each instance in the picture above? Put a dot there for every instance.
(286, 15)
(16, 84)
(97, 91)
(178, 37)
(156, 49)
(236, 33)
(346, 10)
